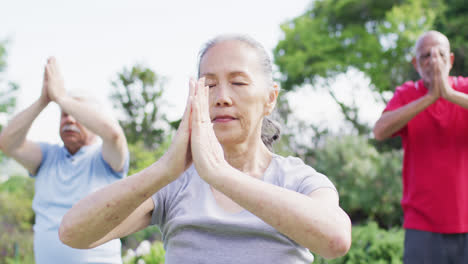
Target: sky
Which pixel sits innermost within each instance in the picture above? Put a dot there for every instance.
(94, 40)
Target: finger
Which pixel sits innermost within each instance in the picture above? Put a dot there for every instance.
(45, 73)
(206, 102)
(204, 113)
(48, 71)
(188, 107)
(195, 105)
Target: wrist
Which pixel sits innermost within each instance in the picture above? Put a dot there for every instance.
(43, 102)
(61, 100)
(431, 98)
(169, 171)
(448, 92)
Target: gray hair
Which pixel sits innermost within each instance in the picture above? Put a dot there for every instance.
(270, 129)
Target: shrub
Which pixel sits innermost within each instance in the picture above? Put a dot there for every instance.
(141, 157)
(372, 245)
(16, 220)
(369, 182)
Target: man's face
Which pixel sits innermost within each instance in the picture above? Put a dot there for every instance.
(424, 62)
(73, 134)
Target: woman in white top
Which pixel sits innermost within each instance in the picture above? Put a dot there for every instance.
(219, 195)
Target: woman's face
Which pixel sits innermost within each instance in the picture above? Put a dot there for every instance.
(239, 92)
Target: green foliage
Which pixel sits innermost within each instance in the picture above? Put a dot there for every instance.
(369, 182)
(452, 23)
(137, 93)
(150, 233)
(8, 90)
(150, 254)
(16, 220)
(372, 245)
(374, 37)
(141, 157)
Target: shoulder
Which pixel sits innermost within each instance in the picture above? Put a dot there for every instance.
(460, 83)
(292, 173)
(409, 87)
(291, 163)
(49, 149)
(405, 93)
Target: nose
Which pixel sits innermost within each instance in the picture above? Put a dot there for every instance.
(68, 119)
(221, 94)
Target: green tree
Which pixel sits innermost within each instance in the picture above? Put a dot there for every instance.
(137, 93)
(373, 37)
(452, 23)
(8, 90)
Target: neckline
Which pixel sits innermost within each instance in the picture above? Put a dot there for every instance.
(221, 210)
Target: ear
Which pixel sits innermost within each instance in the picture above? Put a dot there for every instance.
(452, 59)
(271, 100)
(415, 63)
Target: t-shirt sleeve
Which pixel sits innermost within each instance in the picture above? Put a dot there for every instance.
(302, 178)
(117, 174)
(164, 198)
(461, 84)
(45, 150)
(396, 102)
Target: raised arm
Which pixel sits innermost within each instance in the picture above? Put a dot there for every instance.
(114, 144)
(13, 140)
(392, 121)
(125, 206)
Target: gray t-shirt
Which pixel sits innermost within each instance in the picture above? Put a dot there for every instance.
(196, 230)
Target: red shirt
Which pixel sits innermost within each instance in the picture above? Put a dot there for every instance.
(435, 163)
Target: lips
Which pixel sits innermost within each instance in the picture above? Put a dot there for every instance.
(223, 119)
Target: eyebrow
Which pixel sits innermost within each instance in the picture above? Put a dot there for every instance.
(230, 75)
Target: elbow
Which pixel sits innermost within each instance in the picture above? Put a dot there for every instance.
(64, 235)
(338, 240)
(378, 133)
(68, 237)
(3, 148)
(338, 246)
(116, 137)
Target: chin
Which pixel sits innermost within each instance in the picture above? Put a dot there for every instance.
(229, 138)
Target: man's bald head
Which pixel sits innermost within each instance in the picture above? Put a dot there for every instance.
(431, 36)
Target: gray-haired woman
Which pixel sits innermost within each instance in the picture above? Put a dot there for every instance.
(219, 195)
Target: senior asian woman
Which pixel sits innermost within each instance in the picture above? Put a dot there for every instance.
(219, 195)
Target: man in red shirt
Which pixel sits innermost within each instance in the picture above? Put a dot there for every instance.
(431, 116)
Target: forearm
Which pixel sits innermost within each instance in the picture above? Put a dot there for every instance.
(14, 134)
(320, 226)
(392, 121)
(458, 98)
(93, 217)
(86, 114)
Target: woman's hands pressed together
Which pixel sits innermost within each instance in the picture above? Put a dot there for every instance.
(207, 153)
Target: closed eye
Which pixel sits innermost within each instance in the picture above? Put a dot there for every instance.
(239, 83)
